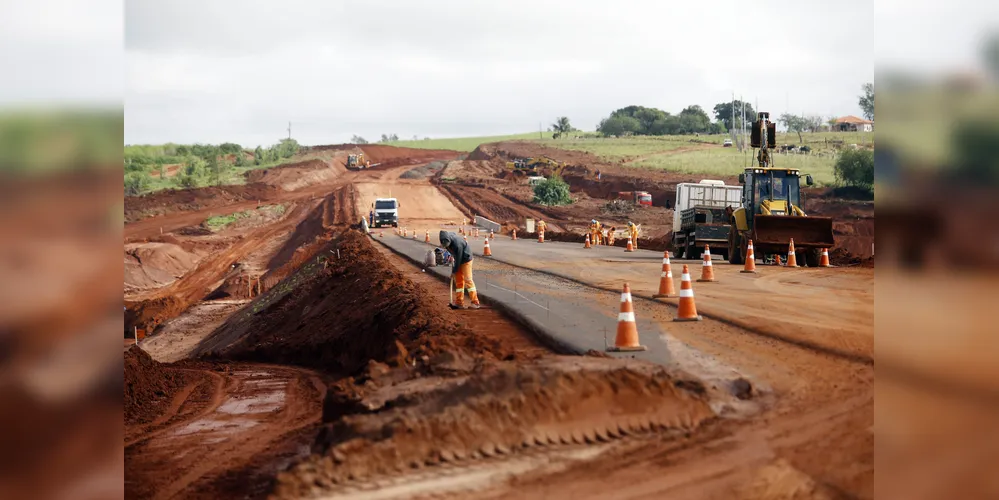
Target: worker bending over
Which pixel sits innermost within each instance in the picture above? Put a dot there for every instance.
(541, 226)
(633, 233)
(461, 269)
(596, 234)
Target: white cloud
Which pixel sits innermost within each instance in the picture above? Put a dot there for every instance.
(228, 70)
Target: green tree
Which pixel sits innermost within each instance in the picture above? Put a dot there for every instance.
(183, 150)
(358, 140)
(718, 128)
(723, 113)
(794, 123)
(694, 120)
(561, 126)
(229, 148)
(240, 160)
(866, 101)
(288, 148)
(258, 155)
(855, 167)
(187, 181)
(553, 191)
(136, 183)
(619, 126)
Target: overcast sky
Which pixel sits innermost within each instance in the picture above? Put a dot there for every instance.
(214, 71)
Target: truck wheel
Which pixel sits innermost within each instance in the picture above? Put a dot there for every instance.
(812, 257)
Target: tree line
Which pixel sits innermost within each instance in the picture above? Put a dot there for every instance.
(200, 164)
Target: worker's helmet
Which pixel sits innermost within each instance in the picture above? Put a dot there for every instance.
(594, 221)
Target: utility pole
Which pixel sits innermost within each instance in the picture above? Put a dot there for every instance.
(540, 136)
(289, 130)
(732, 129)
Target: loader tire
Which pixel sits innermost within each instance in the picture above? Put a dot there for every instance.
(812, 257)
(736, 247)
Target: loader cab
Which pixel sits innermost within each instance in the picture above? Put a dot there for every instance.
(760, 184)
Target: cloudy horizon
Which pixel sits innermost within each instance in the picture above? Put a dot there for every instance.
(235, 71)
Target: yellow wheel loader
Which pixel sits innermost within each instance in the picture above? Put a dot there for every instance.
(771, 213)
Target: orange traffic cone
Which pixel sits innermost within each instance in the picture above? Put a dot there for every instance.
(750, 259)
(485, 249)
(792, 261)
(405, 233)
(426, 239)
(631, 248)
(666, 287)
(587, 244)
(461, 230)
(491, 234)
(541, 236)
(777, 260)
(686, 310)
(514, 234)
(381, 234)
(627, 331)
(824, 258)
(707, 270)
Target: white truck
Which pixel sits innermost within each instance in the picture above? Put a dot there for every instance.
(386, 212)
(699, 217)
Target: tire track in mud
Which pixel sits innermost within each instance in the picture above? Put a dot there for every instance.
(252, 419)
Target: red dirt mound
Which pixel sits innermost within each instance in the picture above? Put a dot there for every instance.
(149, 386)
(498, 412)
(390, 156)
(337, 315)
(184, 200)
(293, 176)
(156, 264)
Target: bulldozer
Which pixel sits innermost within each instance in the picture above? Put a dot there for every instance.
(771, 213)
(357, 162)
(536, 166)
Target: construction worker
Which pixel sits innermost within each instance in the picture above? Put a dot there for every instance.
(541, 226)
(596, 236)
(461, 269)
(633, 233)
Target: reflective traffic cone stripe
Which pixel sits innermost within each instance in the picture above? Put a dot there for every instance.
(485, 249)
(587, 244)
(630, 248)
(707, 270)
(426, 239)
(686, 310)
(824, 258)
(627, 331)
(514, 234)
(792, 261)
(750, 259)
(666, 287)
(541, 236)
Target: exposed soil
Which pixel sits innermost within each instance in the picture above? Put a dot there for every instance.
(188, 200)
(502, 411)
(154, 264)
(313, 317)
(150, 387)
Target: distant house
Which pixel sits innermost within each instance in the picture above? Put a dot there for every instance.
(853, 124)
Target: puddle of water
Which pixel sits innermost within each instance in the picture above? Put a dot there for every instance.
(258, 403)
(212, 425)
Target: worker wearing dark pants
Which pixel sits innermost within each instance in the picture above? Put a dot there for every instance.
(461, 269)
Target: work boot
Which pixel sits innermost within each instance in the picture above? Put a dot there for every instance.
(476, 305)
(456, 306)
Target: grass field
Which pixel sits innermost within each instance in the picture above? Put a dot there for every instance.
(705, 155)
(462, 143)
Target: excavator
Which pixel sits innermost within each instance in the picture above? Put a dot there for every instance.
(536, 166)
(357, 162)
(771, 213)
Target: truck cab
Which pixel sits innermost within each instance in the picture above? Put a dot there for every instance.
(700, 217)
(386, 212)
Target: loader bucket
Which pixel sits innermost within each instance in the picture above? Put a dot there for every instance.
(774, 232)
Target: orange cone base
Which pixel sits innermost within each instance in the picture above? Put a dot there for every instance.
(745, 271)
(628, 349)
(658, 296)
(695, 318)
(706, 281)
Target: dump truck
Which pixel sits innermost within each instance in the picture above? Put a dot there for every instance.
(636, 197)
(700, 217)
(771, 211)
(386, 212)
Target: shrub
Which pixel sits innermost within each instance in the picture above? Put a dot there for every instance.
(553, 191)
(855, 167)
(136, 183)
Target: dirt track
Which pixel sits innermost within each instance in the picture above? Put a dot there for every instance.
(397, 363)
